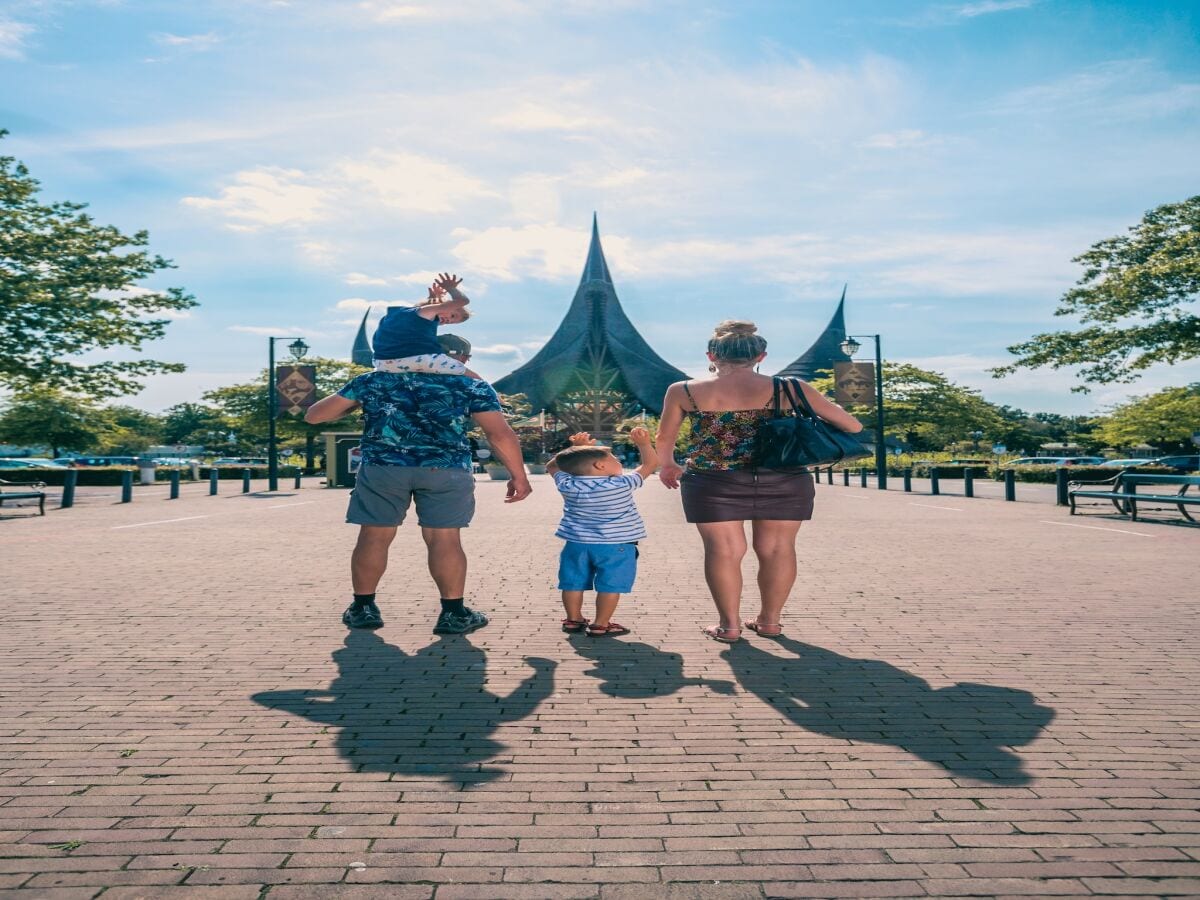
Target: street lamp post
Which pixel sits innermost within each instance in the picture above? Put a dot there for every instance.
(297, 348)
(850, 346)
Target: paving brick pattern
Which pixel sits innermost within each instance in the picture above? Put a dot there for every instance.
(972, 699)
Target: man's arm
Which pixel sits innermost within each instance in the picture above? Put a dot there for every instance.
(506, 448)
(329, 409)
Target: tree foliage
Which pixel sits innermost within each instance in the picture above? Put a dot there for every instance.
(1136, 301)
(1166, 419)
(68, 286)
(46, 417)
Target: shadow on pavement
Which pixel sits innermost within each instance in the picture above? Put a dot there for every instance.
(633, 670)
(968, 729)
(424, 713)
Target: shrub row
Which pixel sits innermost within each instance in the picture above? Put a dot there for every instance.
(1031, 474)
(107, 476)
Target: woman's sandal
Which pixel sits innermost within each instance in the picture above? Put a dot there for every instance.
(612, 629)
(766, 629)
(574, 626)
(722, 635)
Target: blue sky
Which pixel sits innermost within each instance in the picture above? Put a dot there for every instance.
(303, 160)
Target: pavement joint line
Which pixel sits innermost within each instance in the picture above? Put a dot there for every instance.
(932, 506)
(157, 522)
(289, 505)
(1095, 527)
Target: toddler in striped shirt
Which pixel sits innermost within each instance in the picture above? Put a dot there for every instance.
(601, 527)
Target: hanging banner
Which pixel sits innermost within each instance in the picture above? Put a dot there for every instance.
(295, 389)
(854, 382)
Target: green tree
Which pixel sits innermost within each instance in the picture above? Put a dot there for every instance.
(192, 423)
(45, 417)
(132, 430)
(68, 286)
(1167, 419)
(1136, 301)
(925, 409)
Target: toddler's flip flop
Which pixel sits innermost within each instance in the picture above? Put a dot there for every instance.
(574, 626)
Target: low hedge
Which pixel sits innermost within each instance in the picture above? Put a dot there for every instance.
(1048, 474)
(108, 476)
(228, 472)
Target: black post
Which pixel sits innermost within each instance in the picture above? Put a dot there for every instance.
(70, 479)
(880, 446)
(846, 477)
(174, 484)
(272, 455)
(126, 487)
(246, 481)
(908, 480)
(1060, 483)
(934, 487)
(213, 477)
(829, 475)
(862, 477)
(969, 481)
(297, 479)
(1010, 485)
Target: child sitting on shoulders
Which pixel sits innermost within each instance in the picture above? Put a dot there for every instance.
(601, 527)
(406, 339)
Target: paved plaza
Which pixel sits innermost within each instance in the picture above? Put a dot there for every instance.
(972, 698)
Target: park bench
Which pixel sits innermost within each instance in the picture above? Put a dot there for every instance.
(24, 492)
(1124, 495)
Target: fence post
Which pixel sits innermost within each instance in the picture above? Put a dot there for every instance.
(246, 481)
(934, 487)
(126, 487)
(846, 477)
(908, 480)
(297, 479)
(969, 481)
(213, 477)
(70, 479)
(1060, 483)
(1010, 485)
(174, 484)
(862, 477)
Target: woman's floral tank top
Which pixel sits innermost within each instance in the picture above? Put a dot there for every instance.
(723, 440)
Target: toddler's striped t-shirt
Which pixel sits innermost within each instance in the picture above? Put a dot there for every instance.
(599, 510)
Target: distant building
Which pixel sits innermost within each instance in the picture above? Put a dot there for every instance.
(360, 353)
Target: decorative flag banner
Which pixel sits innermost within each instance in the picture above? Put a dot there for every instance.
(854, 382)
(295, 388)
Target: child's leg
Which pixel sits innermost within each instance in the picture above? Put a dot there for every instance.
(606, 605)
(573, 605)
(430, 363)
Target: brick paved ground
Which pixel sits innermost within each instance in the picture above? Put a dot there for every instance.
(973, 699)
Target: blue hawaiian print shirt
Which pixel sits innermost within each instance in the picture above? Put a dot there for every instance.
(416, 419)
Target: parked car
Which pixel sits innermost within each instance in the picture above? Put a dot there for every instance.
(87, 461)
(243, 461)
(31, 462)
(1037, 461)
(174, 461)
(1179, 463)
(1124, 463)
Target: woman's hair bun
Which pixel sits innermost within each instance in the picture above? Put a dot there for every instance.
(730, 327)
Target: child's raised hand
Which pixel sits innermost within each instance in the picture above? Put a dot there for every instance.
(437, 293)
(639, 436)
(581, 439)
(448, 282)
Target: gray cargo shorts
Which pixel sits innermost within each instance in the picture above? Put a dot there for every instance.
(445, 498)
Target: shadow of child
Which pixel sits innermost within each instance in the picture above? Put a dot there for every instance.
(633, 670)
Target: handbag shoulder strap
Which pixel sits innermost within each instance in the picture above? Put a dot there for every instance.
(800, 403)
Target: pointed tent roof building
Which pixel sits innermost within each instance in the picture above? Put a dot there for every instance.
(361, 353)
(825, 351)
(595, 356)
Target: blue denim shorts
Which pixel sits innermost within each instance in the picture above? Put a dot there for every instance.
(610, 568)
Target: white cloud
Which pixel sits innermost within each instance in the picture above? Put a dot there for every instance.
(987, 7)
(545, 251)
(277, 330)
(360, 278)
(12, 38)
(188, 41)
(1120, 89)
(529, 116)
(897, 140)
(410, 182)
(357, 303)
(268, 196)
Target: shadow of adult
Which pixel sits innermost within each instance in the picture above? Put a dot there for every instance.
(421, 713)
(968, 729)
(632, 670)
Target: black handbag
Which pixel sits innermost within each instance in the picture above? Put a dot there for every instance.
(801, 438)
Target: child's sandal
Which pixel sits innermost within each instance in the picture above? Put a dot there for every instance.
(612, 629)
(574, 626)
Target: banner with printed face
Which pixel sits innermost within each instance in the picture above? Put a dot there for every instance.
(295, 389)
(854, 382)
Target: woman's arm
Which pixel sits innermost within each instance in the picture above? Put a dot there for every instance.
(668, 432)
(830, 411)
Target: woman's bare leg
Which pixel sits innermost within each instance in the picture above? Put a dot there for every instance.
(724, 549)
(775, 547)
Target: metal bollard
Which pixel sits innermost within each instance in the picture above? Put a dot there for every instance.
(846, 477)
(213, 477)
(246, 481)
(934, 487)
(969, 481)
(70, 479)
(1010, 485)
(862, 477)
(908, 481)
(126, 487)
(1060, 483)
(174, 484)
(297, 479)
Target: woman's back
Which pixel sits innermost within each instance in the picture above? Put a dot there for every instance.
(725, 416)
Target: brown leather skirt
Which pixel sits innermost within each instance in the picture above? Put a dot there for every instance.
(740, 494)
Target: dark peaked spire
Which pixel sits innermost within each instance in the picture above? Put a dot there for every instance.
(361, 353)
(826, 349)
(595, 352)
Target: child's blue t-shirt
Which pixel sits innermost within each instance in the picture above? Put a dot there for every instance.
(599, 510)
(404, 332)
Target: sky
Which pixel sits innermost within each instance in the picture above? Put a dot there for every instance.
(303, 161)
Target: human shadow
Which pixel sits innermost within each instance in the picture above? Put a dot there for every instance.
(968, 729)
(422, 713)
(633, 670)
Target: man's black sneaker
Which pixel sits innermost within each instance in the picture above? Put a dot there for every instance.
(365, 616)
(459, 623)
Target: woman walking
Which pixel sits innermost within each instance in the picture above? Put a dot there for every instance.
(721, 487)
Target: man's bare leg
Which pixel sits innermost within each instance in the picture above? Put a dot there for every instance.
(447, 560)
(369, 560)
